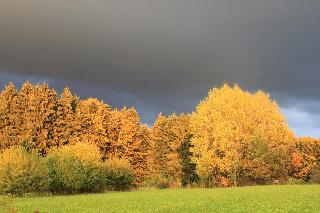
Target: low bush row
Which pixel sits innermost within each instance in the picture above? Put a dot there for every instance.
(70, 169)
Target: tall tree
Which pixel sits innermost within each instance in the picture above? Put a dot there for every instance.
(9, 121)
(39, 116)
(167, 136)
(64, 124)
(91, 120)
(129, 140)
(160, 147)
(189, 175)
(233, 132)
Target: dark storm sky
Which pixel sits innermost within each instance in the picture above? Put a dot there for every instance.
(164, 55)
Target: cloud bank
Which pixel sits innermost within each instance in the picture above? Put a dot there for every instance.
(165, 55)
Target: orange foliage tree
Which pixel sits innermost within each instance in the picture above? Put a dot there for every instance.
(129, 140)
(64, 131)
(8, 117)
(305, 158)
(233, 138)
(29, 116)
(36, 118)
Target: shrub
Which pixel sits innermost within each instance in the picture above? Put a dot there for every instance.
(76, 169)
(295, 181)
(157, 181)
(263, 165)
(315, 176)
(118, 175)
(22, 172)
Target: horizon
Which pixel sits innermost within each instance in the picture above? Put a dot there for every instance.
(151, 123)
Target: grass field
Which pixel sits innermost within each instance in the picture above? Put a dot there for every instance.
(295, 198)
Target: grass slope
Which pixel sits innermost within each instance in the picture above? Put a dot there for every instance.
(295, 198)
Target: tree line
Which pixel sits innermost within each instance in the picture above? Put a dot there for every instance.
(232, 138)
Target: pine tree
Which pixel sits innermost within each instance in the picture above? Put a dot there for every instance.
(189, 174)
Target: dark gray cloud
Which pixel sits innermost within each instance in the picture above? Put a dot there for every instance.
(165, 55)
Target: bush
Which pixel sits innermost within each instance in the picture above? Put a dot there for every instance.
(295, 181)
(76, 169)
(22, 172)
(118, 175)
(315, 176)
(157, 181)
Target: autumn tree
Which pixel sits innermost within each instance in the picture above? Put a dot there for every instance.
(305, 158)
(29, 116)
(39, 103)
(129, 140)
(167, 136)
(239, 138)
(65, 119)
(21, 107)
(233, 138)
(146, 150)
(36, 118)
(91, 122)
(9, 120)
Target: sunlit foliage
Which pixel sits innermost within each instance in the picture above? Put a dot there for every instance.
(167, 136)
(305, 158)
(22, 172)
(37, 118)
(233, 137)
(239, 138)
(76, 168)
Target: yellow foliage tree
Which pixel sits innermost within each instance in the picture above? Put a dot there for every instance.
(234, 132)
(91, 118)
(167, 136)
(235, 137)
(129, 140)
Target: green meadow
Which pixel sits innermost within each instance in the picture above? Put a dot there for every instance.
(276, 198)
